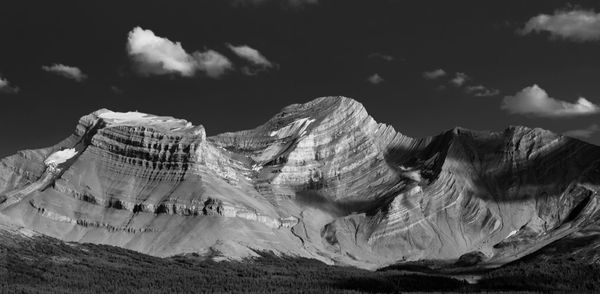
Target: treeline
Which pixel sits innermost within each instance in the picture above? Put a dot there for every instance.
(62, 268)
(554, 276)
(564, 266)
(51, 266)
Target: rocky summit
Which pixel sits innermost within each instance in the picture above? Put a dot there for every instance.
(320, 180)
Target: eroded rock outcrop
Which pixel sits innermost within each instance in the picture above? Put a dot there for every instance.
(320, 179)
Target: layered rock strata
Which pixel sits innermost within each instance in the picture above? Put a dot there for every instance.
(320, 179)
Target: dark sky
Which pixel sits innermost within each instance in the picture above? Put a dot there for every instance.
(320, 49)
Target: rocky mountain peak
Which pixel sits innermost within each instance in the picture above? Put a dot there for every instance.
(321, 179)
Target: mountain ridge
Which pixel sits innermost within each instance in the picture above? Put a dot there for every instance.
(321, 180)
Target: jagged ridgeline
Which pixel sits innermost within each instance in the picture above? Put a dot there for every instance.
(322, 180)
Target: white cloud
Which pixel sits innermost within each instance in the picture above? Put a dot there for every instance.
(6, 87)
(434, 74)
(382, 56)
(482, 91)
(459, 79)
(69, 72)
(535, 101)
(212, 63)
(583, 133)
(250, 54)
(375, 79)
(155, 55)
(576, 25)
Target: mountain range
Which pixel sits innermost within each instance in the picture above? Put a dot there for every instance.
(320, 180)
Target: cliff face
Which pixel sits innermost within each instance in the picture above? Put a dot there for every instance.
(320, 179)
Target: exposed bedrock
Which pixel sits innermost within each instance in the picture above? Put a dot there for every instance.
(321, 179)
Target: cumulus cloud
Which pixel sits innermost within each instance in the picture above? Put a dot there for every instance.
(482, 91)
(382, 56)
(69, 72)
(576, 25)
(250, 54)
(459, 79)
(535, 101)
(6, 87)
(583, 133)
(375, 79)
(434, 74)
(154, 55)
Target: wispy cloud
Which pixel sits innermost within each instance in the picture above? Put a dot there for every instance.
(250, 54)
(258, 62)
(212, 63)
(459, 79)
(154, 55)
(375, 79)
(434, 74)
(583, 133)
(482, 91)
(7, 88)
(535, 101)
(69, 72)
(382, 56)
(116, 90)
(575, 25)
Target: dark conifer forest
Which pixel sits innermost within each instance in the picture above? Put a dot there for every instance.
(45, 265)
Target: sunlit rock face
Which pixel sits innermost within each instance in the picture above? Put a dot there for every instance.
(321, 179)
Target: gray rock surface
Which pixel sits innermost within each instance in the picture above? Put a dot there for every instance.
(321, 180)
